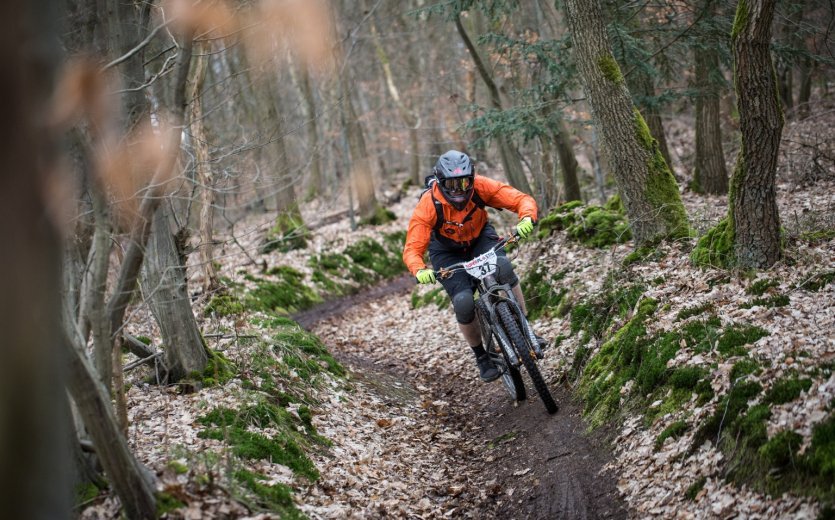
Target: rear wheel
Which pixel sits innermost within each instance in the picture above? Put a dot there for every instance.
(511, 377)
(514, 333)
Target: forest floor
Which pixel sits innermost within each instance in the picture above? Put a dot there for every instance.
(413, 433)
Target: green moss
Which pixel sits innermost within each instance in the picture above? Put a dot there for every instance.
(610, 69)
(86, 493)
(820, 457)
(177, 467)
(715, 248)
(593, 226)
(776, 300)
(380, 216)
(284, 447)
(276, 498)
(219, 369)
(695, 310)
(817, 236)
(730, 408)
(818, 281)
(744, 368)
(288, 233)
(224, 305)
(638, 255)
(615, 300)
(661, 187)
(312, 353)
(436, 296)
(288, 294)
(167, 503)
(735, 337)
(395, 242)
(780, 450)
(373, 256)
(337, 265)
(787, 390)
(694, 489)
(542, 296)
(619, 360)
(674, 430)
(761, 286)
(740, 19)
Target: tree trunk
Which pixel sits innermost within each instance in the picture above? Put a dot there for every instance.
(34, 472)
(135, 252)
(709, 173)
(406, 114)
(568, 162)
(362, 179)
(129, 479)
(641, 86)
(315, 182)
(164, 284)
(510, 158)
(97, 287)
(645, 183)
(807, 68)
(203, 168)
(753, 202)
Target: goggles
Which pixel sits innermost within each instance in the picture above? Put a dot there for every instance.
(457, 184)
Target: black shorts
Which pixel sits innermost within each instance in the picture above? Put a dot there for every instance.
(444, 256)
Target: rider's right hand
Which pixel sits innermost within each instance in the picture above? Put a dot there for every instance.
(425, 276)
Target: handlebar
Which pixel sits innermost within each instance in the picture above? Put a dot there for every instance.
(445, 272)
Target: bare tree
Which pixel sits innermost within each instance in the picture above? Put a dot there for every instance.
(510, 158)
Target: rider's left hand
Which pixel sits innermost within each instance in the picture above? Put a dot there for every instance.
(524, 227)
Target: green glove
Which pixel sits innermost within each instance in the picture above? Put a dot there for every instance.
(524, 227)
(425, 276)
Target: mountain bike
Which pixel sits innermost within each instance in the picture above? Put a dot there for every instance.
(508, 337)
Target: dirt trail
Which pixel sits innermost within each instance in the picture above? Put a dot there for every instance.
(529, 465)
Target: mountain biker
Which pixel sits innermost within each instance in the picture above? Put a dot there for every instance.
(451, 221)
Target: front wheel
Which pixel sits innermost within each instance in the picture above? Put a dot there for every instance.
(511, 377)
(514, 333)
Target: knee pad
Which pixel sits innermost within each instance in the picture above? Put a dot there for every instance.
(464, 307)
(505, 274)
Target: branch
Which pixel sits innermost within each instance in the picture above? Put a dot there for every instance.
(125, 57)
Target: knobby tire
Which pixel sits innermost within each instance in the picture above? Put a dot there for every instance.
(514, 333)
(516, 386)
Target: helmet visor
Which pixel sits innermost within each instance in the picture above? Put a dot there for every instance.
(457, 185)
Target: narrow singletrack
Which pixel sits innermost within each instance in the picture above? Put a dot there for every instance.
(531, 465)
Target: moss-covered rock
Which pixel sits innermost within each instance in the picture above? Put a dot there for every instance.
(593, 226)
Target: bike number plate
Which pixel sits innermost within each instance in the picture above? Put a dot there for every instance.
(482, 266)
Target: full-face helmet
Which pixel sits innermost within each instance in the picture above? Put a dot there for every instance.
(456, 176)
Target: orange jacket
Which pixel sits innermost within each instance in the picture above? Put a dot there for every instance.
(494, 194)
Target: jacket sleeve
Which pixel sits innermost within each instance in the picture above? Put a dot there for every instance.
(500, 195)
(418, 234)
